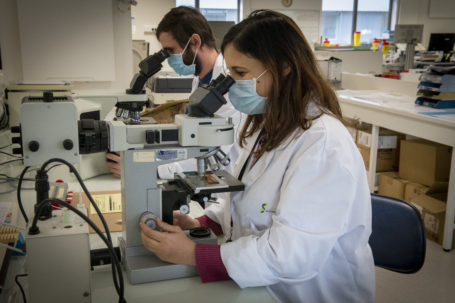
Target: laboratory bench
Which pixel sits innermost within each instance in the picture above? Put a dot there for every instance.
(189, 289)
(399, 113)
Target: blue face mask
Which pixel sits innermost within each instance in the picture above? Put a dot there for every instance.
(176, 62)
(244, 97)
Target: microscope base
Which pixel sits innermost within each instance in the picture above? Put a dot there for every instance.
(142, 266)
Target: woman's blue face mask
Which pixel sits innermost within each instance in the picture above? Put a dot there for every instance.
(244, 97)
(176, 62)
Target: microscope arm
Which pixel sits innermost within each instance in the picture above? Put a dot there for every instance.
(148, 67)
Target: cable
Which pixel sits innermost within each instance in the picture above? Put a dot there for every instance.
(5, 146)
(6, 162)
(8, 154)
(19, 201)
(15, 178)
(81, 182)
(4, 119)
(34, 229)
(24, 298)
(53, 166)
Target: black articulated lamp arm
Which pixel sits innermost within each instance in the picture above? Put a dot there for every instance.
(148, 67)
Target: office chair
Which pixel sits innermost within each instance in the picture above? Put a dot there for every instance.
(398, 235)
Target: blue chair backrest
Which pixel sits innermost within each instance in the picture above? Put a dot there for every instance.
(398, 235)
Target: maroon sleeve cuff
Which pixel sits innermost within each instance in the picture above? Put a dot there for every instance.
(209, 263)
(205, 221)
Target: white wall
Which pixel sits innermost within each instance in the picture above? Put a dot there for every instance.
(9, 42)
(307, 14)
(147, 14)
(417, 12)
(11, 48)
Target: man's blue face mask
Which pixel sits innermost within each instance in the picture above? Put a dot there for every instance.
(176, 62)
(244, 97)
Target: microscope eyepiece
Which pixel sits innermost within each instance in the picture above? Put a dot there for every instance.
(148, 67)
(207, 99)
(222, 85)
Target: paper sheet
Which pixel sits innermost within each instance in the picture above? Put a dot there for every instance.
(109, 203)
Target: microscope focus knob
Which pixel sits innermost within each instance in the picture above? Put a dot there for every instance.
(184, 209)
(68, 144)
(33, 146)
(149, 219)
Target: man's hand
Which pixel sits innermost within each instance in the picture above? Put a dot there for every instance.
(184, 221)
(113, 161)
(171, 245)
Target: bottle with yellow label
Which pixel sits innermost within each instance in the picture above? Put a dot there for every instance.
(374, 45)
(356, 39)
(385, 47)
(326, 42)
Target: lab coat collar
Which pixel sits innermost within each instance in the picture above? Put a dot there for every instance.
(218, 68)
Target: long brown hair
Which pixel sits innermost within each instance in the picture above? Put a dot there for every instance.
(276, 41)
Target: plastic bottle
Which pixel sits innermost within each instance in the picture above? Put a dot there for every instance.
(385, 47)
(326, 42)
(375, 43)
(356, 39)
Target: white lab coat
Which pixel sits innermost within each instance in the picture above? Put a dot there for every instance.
(228, 111)
(302, 225)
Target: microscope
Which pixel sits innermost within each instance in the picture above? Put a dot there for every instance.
(50, 129)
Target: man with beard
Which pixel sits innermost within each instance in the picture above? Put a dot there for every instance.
(186, 35)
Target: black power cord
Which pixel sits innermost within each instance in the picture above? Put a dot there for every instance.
(19, 187)
(9, 161)
(81, 182)
(8, 154)
(115, 261)
(24, 298)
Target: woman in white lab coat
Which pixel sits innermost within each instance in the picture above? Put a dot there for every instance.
(302, 224)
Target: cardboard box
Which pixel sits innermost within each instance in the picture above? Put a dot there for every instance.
(388, 147)
(412, 190)
(391, 185)
(433, 213)
(386, 160)
(387, 139)
(164, 113)
(438, 189)
(424, 162)
(109, 202)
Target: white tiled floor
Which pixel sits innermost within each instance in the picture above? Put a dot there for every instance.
(435, 282)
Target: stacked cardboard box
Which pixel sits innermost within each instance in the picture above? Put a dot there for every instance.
(388, 147)
(424, 162)
(426, 167)
(391, 185)
(433, 211)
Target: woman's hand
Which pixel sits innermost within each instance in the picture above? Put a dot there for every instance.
(113, 161)
(171, 245)
(184, 221)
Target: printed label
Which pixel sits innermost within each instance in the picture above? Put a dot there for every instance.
(171, 154)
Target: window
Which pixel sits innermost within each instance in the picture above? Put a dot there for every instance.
(340, 18)
(214, 10)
